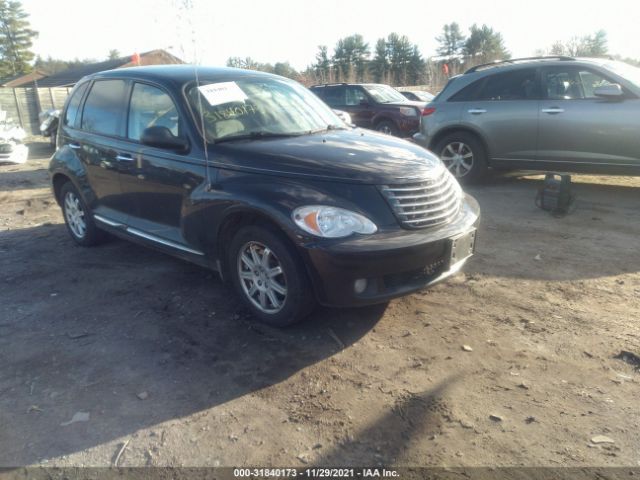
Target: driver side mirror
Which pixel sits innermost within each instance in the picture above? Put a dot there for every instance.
(364, 103)
(611, 91)
(161, 137)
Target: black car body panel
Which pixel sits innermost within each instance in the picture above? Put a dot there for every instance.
(181, 202)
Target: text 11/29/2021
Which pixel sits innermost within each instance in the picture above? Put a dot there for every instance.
(315, 473)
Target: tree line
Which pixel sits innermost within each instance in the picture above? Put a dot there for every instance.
(397, 61)
(393, 59)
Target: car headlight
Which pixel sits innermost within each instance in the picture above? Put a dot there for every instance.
(331, 222)
(408, 111)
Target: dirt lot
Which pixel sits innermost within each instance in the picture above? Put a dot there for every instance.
(156, 353)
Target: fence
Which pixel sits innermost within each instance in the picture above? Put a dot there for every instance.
(24, 104)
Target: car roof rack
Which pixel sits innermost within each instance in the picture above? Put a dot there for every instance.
(523, 59)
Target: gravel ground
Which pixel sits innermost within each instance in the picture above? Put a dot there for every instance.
(516, 361)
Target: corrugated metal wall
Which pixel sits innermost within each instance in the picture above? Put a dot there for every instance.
(24, 104)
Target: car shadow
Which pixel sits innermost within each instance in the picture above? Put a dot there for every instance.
(389, 439)
(88, 330)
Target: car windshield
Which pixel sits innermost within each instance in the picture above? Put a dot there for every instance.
(259, 107)
(425, 96)
(384, 94)
(625, 70)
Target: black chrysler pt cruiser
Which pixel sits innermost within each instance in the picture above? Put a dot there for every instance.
(251, 175)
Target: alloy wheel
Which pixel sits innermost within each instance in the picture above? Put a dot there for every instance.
(458, 158)
(262, 277)
(74, 214)
(385, 129)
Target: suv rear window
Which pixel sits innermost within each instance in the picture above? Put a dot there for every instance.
(104, 107)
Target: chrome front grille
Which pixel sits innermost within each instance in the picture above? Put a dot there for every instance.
(425, 203)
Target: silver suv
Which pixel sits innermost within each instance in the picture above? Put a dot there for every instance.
(540, 113)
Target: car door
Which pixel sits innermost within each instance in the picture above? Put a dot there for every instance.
(156, 181)
(359, 105)
(97, 144)
(578, 128)
(503, 108)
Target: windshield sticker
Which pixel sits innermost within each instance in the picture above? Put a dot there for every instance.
(223, 92)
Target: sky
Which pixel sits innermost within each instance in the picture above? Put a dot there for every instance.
(208, 31)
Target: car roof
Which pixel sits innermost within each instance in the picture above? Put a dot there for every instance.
(458, 82)
(516, 63)
(181, 74)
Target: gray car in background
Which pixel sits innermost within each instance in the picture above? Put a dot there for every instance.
(542, 113)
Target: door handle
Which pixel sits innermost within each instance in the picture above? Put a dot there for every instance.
(75, 146)
(477, 111)
(124, 158)
(552, 110)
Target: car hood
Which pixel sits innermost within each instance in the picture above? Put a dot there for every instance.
(352, 156)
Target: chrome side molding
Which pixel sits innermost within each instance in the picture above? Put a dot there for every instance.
(147, 236)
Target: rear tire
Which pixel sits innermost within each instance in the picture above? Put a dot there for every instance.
(78, 217)
(464, 155)
(388, 127)
(269, 277)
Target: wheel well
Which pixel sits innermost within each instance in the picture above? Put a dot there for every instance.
(440, 135)
(235, 222)
(384, 119)
(58, 181)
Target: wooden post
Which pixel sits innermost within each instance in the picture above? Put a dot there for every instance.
(15, 96)
(53, 101)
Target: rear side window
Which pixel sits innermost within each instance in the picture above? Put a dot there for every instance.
(513, 85)
(467, 93)
(74, 104)
(104, 107)
(319, 91)
(334, 96)
(151, 107)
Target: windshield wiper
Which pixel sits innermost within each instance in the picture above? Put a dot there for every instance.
(326, 129)
(255, 135)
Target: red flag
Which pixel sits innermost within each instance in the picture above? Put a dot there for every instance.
(135, 58)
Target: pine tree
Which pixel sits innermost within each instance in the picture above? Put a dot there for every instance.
(16, 39)
(451, 41)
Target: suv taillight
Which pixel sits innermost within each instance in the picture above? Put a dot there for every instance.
(428, 111)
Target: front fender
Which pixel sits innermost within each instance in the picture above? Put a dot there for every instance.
(273, 198)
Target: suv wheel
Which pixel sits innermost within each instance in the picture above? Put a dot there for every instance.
(77, 217)
(268, 276)
(464, 155)
(387, 127)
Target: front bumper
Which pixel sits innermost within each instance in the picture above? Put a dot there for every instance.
(394, 263)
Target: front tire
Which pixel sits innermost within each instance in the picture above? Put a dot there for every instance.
(464, 155)
(78, 218)
(269, 277)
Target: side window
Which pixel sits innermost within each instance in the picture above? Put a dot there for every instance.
(319, 91)
(334, 96)
(562, 84)
(355, 96)
(513, 85)
(590, 81)
(467, 93)
(104, 107)
(74, 104)
(151, 107)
